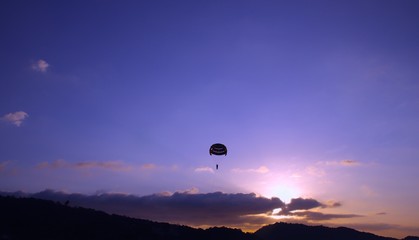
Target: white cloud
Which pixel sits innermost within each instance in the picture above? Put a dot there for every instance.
(261, 169)
(15, 118)
(40, 66)
(204, 169)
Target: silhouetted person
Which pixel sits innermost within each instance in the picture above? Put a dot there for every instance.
(216, 166)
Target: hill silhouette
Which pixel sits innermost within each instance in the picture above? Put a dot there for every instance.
(30, 218)
(299, 231)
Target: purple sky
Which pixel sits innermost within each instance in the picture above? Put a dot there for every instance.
(317, 102)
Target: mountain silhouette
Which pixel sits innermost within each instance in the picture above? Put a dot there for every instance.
(30, 218)
(292, 231)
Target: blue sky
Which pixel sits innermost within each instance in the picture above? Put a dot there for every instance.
(314, 100)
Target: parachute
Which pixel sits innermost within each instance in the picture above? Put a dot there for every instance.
(218, 149)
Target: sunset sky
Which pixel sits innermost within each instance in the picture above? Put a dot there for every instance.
(114, 105)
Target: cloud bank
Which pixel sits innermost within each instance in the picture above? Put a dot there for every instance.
(60, 163)
(15, 118)
(188, 207)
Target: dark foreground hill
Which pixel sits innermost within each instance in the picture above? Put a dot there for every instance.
(29, 218)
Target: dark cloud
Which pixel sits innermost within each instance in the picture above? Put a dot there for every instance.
(182, 207)
(299, 207)
(334, 204)
(301, 204)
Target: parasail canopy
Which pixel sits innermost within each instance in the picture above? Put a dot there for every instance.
(218, 149)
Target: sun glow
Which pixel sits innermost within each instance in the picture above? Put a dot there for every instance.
(283, 190)
(276, 214)
(282, 217)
